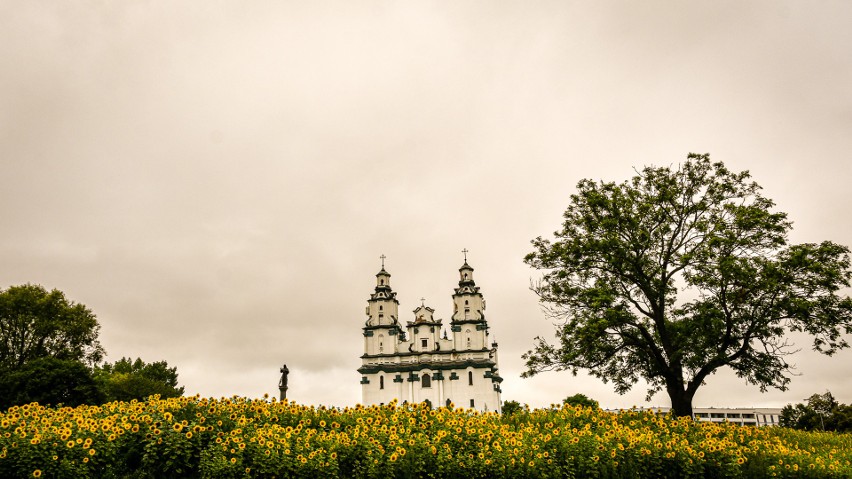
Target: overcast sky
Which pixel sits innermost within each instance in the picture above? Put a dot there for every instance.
(217, 180)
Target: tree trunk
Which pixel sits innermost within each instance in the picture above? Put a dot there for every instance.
(681, 401)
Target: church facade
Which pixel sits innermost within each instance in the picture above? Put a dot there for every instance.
(420, 361)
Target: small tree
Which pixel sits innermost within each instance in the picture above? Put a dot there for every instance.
(613, 275)
(126, 380)
(511, 407)
(581, 400)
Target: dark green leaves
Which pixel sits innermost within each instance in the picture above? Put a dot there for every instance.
(126, 380)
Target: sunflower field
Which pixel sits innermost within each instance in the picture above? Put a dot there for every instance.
(237, 437)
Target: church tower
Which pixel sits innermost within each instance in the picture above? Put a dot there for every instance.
(470, 331)
(381, 331)
(423, 363)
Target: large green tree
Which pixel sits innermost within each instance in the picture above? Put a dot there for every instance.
(126, 380)
(679, 272)
(36, 323)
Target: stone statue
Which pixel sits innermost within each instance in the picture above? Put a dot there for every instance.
(282, 384)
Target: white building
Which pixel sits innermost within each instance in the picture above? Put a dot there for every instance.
(421, 362)
(743, 416)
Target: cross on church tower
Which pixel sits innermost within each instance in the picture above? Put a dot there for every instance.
(383, 260)
(422, 301)
(465, 251)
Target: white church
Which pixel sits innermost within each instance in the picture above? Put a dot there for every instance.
(420, 362)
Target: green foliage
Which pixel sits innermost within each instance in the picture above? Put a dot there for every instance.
(126, 380)
(581, 400)
(49, 381)
(820, 413)
(36, 323)
(511, 407)
(614, 274)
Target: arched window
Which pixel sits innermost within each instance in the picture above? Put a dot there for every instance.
(426, 381)
(382, 282)
(381, 382)
(466, 313)
(465, 302)
(470, 379)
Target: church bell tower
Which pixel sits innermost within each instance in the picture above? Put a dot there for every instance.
(382, 329)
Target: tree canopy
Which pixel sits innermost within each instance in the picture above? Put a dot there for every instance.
(49, 380)
(679, 272)
(581, 400)
(36, 323)
(821, 412)
(126, 380)
(511, 407)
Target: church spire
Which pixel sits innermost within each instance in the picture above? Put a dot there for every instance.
(382, 307)
(469, 304)
(465, 275)
(383, 288)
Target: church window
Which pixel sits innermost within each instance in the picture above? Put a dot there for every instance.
(380, 307)
(468, 342)
(426, 381)
(381, 382)
(424, 343)
(466, 313)
(470, 382)
(382, 282)
(465, 303)
(471, 403)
